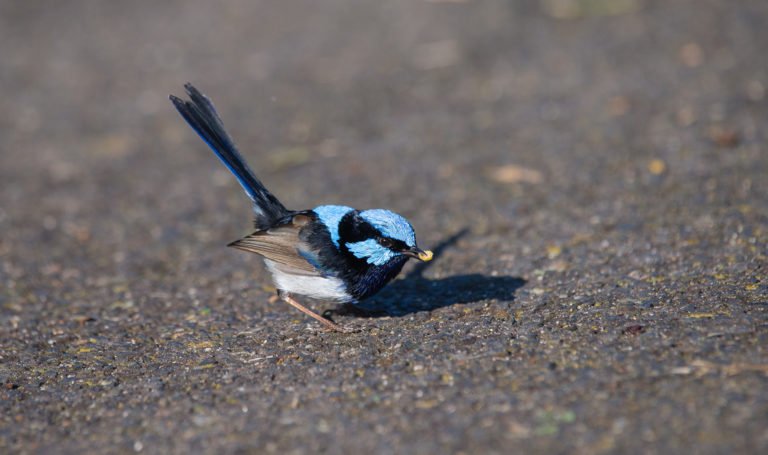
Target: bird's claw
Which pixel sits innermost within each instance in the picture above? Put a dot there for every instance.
(331, 327)
(347, 330)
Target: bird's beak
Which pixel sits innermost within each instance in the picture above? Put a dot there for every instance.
(422, 255)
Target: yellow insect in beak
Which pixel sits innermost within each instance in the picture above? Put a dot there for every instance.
(426, 256)
(422, 255)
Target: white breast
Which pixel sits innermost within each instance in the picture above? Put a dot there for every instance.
(316, 287)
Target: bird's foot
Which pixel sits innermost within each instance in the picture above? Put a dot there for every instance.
(347, 330)
(330, 325)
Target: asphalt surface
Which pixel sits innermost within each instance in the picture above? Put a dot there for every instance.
(593, 174)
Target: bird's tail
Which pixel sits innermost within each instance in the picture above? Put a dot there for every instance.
(202, 117)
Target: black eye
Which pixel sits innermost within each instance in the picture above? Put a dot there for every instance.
(385, 242)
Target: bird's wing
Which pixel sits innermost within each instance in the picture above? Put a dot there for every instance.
(281, 244)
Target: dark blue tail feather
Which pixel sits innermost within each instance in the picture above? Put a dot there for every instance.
(202, 117)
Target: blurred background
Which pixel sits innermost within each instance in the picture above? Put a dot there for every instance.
(606, 158)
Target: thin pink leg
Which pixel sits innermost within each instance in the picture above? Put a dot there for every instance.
(326, 322)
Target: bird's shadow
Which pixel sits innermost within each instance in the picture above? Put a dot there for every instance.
(414, 293)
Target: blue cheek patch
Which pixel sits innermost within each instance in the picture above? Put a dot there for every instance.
(371, 251)
(330, 216)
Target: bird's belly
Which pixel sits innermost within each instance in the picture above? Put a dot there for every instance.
(316, 287)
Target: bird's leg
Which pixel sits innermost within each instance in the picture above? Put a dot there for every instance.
(326, 322)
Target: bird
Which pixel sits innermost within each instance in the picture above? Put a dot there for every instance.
(331, 252)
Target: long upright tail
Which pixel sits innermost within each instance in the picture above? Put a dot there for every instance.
(202, 117)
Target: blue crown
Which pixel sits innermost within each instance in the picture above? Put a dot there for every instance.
(390, 224)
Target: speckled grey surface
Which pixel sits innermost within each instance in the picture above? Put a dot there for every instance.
(606, 162)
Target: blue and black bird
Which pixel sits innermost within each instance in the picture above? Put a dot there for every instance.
(331, 252)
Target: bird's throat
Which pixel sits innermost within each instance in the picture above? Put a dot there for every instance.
(371, 278)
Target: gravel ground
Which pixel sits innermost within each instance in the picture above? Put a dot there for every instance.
(592, 172)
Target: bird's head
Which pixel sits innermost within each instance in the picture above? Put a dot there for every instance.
(378, 236)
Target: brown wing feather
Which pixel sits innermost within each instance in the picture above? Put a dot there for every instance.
(280, 244)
